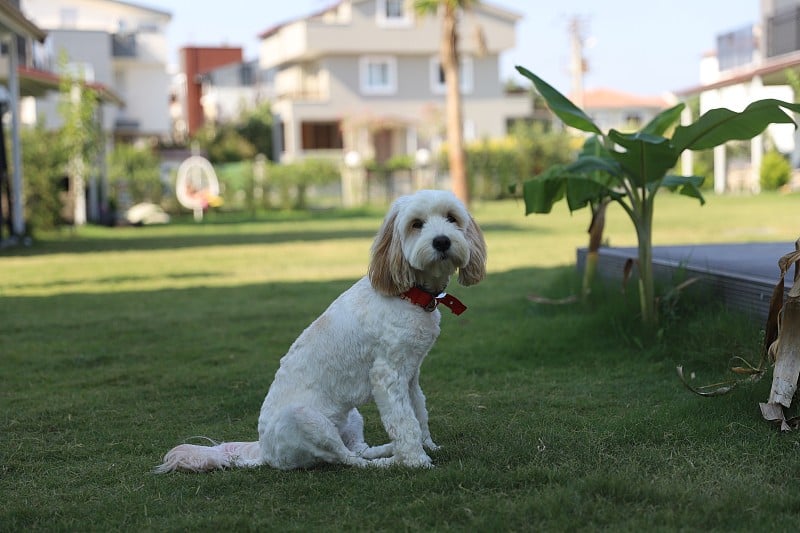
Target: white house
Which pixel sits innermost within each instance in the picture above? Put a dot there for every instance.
(749, 64)
(120, 45)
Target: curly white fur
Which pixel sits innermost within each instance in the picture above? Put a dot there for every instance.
(368, 345)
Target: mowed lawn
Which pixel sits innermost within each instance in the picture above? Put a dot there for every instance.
(117, 344)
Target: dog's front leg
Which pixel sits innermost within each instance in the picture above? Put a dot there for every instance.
(390, 391)
(421, 412)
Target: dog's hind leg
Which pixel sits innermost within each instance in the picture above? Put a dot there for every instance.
(353, 436)
(304, 437)
(352, 432)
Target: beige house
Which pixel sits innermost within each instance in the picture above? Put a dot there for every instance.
(363, 78)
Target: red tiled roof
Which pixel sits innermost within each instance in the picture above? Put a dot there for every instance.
(610, 99)
(37, 80)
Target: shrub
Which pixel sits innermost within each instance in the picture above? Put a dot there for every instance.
(775, 171)
(134, 171)
(43, 165)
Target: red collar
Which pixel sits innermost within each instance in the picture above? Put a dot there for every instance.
(428, 301)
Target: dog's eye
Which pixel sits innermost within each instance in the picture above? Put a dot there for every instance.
(451, 219)
(417, 224)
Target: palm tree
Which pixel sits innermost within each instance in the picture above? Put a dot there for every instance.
(449, 57)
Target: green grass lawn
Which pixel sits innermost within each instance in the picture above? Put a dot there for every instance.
(117, 344)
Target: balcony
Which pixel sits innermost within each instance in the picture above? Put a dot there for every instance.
(302, 83)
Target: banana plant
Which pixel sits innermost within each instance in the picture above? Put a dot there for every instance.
(630, 168)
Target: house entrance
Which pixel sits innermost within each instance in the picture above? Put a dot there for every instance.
(382, 140)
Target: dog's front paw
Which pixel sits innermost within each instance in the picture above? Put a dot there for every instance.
(430, 445)
(416, 461)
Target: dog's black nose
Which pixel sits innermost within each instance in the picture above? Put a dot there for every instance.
(441, 243)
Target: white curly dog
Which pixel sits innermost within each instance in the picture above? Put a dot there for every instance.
(369, 344)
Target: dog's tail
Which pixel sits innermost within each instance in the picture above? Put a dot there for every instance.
(194, 458)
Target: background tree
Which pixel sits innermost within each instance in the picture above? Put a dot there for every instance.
(81, 136)
(449, 58)
(228, 142)
(255, 127)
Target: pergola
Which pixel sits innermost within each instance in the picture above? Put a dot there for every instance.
(13, 26)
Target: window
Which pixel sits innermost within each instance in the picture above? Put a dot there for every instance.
(378, 75)
(321, 136)
(633, 120)
(466, 73)
(393, 13)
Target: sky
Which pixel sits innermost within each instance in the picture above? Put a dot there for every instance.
(644, 47)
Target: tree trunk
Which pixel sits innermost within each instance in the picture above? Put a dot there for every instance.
(596, 228)
(455, 129)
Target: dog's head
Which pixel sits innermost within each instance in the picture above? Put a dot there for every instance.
(424, 239)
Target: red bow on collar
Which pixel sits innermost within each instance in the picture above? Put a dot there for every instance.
(428, 301)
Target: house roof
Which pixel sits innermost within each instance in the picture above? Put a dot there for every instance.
(771, 71)
(277, 27)
(603, 98)
(484, 6)
(12, 19)
(142, 7)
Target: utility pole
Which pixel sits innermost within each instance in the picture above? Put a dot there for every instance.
(577, 64)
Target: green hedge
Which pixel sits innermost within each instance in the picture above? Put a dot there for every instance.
(494, 166)
(285, 185)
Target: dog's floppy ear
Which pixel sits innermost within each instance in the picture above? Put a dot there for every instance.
(475, 269)
(389, 271)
